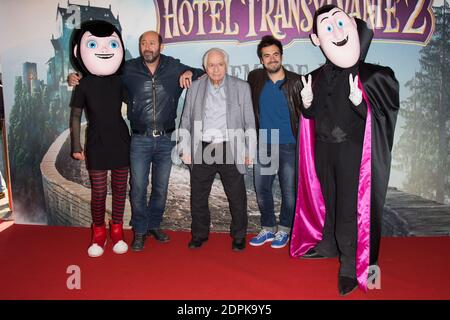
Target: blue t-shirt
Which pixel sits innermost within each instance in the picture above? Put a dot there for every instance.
(274, 113)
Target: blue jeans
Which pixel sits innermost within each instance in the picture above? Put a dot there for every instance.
(282, 163)
(149, 152)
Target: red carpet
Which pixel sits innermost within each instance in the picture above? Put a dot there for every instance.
(34, 262)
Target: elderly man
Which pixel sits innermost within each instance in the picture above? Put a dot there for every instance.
(218, 132)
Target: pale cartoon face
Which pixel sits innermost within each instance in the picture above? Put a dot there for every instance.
(337, 35)
(102, 56)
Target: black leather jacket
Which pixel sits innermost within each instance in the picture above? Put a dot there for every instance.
(144, 88)
(291, 88)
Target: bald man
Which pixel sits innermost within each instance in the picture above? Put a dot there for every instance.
(154, 83)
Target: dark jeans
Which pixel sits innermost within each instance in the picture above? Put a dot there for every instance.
(264, 174)
(149, 152)
(202, 178)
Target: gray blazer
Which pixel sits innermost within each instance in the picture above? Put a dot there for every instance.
(239, 116)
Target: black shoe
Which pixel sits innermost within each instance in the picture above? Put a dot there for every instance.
(313, 254)
(238, 244)
(346, 285)
(158, 234)
(196, 243)
(138, 242)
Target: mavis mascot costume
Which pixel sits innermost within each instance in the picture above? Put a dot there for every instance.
(98, 52)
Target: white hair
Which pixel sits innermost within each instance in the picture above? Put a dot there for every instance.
(217, 50)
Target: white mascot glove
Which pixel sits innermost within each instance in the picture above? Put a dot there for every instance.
(306, 93)
(355, 93)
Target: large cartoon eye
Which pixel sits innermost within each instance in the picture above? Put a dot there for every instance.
(329, 28)
(92, 44)
(114, 44)
(340, 24)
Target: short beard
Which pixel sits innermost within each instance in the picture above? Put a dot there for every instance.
(274, 70)
(152, 59)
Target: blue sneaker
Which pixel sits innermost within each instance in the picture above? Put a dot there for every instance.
(262, 237)
(281, 240)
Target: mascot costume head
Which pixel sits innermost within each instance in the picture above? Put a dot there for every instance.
(97, 49)
(344, 40)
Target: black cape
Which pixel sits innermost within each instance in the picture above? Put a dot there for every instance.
(382, 90)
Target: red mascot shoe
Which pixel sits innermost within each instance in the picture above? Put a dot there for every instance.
(119, 245)
(98, 242)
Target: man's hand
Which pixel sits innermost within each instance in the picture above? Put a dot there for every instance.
(186, 158)
(78, 155)
(73, 79)
(248, 161)
(355, 93)
(186, 79)
(306, 93)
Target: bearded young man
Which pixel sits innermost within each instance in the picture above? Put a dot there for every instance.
(276, 104)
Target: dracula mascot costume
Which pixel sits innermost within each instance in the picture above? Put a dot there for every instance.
(346, 134)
